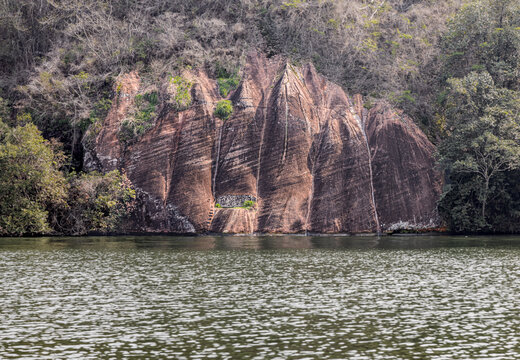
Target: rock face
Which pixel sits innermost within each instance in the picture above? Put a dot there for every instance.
(315, 159)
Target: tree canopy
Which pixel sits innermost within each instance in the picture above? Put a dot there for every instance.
(482, 145)
(31, 182)
(36, 197)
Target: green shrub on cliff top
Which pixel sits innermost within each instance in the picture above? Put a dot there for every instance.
(224, 109)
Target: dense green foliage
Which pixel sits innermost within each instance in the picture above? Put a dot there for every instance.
(97, 203)
(481, 110)
(227, 82)
(453, 65)
(141, 120)
(249, 204)
(36, 197)
(224, 109)
(30, 180)
(180, 92)
(482, 148)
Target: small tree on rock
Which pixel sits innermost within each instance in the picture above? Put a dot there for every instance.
(224, 109)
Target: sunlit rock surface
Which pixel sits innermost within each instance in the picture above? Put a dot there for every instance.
(315, 159)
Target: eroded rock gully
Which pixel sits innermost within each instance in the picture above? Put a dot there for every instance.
(315, 159)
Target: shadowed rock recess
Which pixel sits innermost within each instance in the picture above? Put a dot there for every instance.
(315, 159)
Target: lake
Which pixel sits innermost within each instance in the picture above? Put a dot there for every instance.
(245, 297)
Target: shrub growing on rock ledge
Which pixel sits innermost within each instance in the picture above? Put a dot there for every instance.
(227, 80)
(248, 204)
(224, 109)
(226, 85)
(141, 120)
(180, 92)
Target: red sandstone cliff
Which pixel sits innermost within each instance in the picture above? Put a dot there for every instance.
(315, 159)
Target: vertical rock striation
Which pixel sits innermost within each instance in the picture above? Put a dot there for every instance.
(315, 159)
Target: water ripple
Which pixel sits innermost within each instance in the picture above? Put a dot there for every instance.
(126, 301)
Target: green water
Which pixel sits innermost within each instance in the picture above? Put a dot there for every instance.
(286, 297)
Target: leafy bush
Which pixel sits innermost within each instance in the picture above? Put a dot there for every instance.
(225, 85)
(248, 204)
(30, 181)
(96, 202)
(227, 82)
(146, 105)
(180, 92)
(141, 120)
(224, 109)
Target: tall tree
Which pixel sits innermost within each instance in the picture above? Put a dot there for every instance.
(30, 180)
(483, 143)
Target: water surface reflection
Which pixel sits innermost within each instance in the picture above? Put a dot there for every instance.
(278, 242)
(248, 297)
